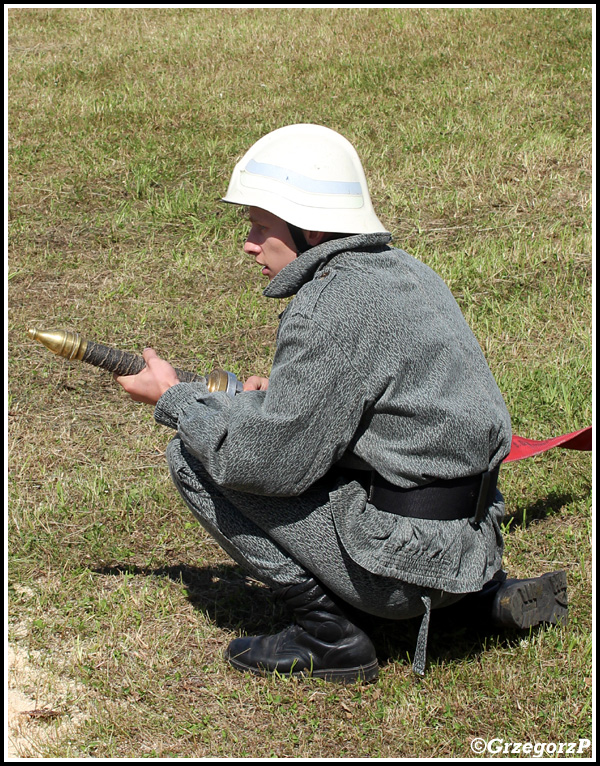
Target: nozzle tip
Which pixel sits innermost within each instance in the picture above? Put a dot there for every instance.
(32, 332)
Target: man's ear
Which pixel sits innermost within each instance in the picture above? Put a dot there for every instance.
(314, 238)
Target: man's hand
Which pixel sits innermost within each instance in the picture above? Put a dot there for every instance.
(254, 383)
(151, 383)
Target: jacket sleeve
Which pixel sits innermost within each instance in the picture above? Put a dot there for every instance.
(277, 442)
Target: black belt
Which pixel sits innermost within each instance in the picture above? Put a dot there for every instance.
(441, 500)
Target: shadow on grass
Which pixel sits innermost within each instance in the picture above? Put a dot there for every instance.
(543, 508)
(240, 604)
(231, 599)
(450, 639)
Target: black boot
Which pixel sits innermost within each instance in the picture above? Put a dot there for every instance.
(511, 604)
(323, 643)
(526, 603)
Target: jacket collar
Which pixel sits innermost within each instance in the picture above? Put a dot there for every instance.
(303, 268)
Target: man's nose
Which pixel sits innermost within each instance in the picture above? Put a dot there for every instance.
(251, 247)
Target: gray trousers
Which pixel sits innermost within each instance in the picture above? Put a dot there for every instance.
(284, 541)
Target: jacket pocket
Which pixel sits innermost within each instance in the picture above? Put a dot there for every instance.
(418, 551)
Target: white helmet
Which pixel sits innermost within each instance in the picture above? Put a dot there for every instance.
(309, 176)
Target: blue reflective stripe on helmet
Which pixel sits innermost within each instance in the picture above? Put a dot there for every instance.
(303, 182)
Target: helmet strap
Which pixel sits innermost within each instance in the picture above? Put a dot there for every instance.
(299, 238)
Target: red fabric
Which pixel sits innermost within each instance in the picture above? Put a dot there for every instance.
(522, 448)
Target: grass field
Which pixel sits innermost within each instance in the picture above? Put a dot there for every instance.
(475, 128)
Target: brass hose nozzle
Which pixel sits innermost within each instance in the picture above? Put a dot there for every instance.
(72, 346)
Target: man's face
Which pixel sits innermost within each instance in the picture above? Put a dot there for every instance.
(269, 242)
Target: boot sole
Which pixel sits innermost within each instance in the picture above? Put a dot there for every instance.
(527, 603)
(363, 673)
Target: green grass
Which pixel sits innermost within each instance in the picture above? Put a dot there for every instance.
(474, 126)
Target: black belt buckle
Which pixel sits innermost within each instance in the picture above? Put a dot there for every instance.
(483, 499)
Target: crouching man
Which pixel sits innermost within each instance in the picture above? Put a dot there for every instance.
(361, 477)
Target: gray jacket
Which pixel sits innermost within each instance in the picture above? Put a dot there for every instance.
(375, 367)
